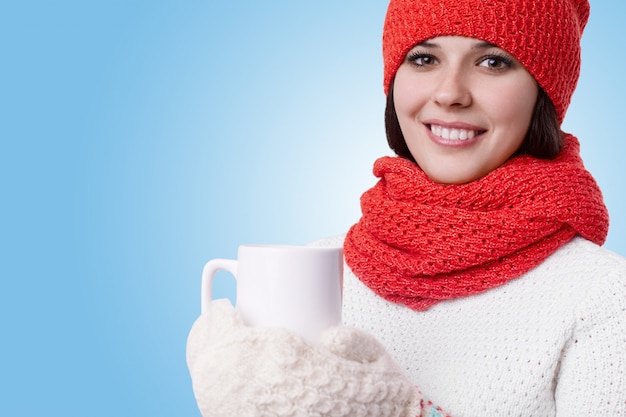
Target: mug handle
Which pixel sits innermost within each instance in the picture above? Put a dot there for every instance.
(208, 273)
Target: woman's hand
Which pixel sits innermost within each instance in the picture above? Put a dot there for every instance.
(238, 370)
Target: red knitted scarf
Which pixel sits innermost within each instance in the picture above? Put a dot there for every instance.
(419, 242)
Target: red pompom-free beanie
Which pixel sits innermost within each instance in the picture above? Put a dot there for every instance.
(544, 35)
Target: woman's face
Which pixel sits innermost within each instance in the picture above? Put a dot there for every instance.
(464, 107)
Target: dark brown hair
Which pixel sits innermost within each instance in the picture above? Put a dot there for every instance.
(544, 138)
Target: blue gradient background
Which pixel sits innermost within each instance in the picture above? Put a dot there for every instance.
(142, 138)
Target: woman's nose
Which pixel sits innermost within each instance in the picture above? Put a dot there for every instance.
(452, 88)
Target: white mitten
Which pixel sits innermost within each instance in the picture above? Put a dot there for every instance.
(243, 371)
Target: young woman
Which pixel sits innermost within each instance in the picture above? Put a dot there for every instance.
(477, 263)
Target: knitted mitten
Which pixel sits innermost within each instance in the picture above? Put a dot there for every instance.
(243, 371)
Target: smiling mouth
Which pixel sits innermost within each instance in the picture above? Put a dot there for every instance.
(448, 133)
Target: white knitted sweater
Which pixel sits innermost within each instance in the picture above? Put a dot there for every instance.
(551, 343)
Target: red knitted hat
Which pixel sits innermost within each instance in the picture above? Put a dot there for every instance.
(544, 35)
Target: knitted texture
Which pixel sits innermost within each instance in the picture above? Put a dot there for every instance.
(420, 242)
(543, 35)
(554, 339)
(242, 371)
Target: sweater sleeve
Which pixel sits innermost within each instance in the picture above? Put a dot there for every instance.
(592, 376)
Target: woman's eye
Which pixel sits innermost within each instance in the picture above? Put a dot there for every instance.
(495, 62)
(422, 60)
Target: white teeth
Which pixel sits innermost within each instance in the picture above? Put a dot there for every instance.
(452, 134)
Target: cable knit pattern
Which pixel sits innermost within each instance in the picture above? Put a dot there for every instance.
(252, 372)
(420, 242)
(543, 35)
(549, 344)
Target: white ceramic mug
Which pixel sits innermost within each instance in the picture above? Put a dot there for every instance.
(294, 287)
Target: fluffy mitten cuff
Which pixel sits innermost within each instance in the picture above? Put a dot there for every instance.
(243, 371)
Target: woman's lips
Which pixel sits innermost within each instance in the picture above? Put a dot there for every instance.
(454, 133)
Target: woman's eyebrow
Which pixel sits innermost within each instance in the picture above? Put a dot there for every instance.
(484, 45)
(428, 44)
